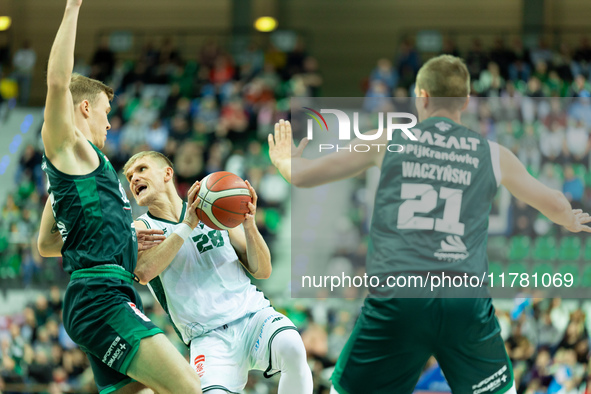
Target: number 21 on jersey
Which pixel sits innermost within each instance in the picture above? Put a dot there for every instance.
(422, 198)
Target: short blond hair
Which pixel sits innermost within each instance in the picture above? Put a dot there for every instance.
(157, 156)
(84, 88)
(445, 76)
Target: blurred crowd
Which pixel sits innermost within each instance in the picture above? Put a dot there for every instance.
(208, 115)
(214, 113)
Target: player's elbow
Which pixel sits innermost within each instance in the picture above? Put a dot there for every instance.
(263, 273)
(300, 180)
(296, 180)
(143, 278)
(46, 249)
(144, 275)
(42, 250)
(559, 204)
(57, 81)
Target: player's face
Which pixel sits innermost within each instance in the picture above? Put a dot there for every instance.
(98, 121)
(146, 180)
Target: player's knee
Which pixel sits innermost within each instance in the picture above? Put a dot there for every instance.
(288, 345)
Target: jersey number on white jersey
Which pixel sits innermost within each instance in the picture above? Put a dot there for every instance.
(205, 242)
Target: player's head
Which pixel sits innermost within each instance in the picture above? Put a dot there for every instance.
(150, 175)
(91, 102)
(442, 76)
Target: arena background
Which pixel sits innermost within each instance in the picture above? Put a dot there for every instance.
(196, 81)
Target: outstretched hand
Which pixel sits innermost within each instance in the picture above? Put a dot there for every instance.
(148, 238)
(282, 148)
(581, 218)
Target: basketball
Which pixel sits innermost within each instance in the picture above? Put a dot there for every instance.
(224, 200)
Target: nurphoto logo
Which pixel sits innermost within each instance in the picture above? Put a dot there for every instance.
(344, 129)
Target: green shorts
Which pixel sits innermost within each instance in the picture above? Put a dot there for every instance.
(103, 314)
(393, 339)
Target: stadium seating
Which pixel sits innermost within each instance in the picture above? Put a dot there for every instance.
(570, 249)
(545, 249)
(519, 248)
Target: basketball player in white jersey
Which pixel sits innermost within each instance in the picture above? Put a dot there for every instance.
(197, 275)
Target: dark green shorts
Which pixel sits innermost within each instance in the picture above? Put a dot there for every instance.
(393, 339)
(104, 316)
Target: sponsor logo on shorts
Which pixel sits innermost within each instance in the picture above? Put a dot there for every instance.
(199, 364)
(491, 383)
(138, 312)
(115, 352)
(275, 317)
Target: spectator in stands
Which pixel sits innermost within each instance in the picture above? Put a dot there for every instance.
(548, 335)
(407, 57)
(296, 58)
(523, 219)
(552, 142)
(490, 82)
(502, 56)
(157, 136)
(377, 97)
(311, 76)
(549, 177)
(568, 373)
(476, 59)
(541, 53)
(103, 61)
(519, 70)
(385, 73)
(582, 57)
(30, 164)
(580, 87)
(573, 187)
(24, 66)
(4, 52)
(577, 142)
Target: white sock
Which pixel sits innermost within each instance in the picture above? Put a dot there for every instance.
(288, 354)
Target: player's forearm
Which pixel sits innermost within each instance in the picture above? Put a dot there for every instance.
(257, 253)
(153, 261)
(560, 212)
(330, 168)
(61, 58)
(301, 172)
(50, 241)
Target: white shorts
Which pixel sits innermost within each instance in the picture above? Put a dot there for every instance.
(223, 357)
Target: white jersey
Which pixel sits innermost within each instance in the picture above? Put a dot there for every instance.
(205, 286)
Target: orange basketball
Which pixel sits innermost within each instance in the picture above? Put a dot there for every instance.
(224, 200)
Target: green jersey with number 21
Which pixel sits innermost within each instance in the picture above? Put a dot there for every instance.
(433, 201)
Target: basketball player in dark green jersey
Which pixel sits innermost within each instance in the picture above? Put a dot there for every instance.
(431, 214)
(102, 311)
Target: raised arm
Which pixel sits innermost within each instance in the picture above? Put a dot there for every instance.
(58, 130)
(551, 203)
(303, 172)
(250, 245)
(50, 240)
